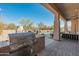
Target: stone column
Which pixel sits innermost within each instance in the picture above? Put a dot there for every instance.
(65, 26)
(78, 31)
(56, 27)
(78, 26)
(74, 26)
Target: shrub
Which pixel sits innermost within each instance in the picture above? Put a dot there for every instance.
(1, 32)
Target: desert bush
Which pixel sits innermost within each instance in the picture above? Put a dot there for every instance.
(1, 31)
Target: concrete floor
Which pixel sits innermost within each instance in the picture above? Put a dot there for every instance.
(60, 48)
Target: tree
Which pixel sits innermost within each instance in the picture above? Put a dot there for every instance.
(42, 26)
(26, 23)
(62, 29)
(1, 31)
(12, 26)
(52, 28)
(1, 26)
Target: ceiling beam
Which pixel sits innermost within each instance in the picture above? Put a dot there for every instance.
(53, 9)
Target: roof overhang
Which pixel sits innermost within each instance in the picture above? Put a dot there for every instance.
(67, 11)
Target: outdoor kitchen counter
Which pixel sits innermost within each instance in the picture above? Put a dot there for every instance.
(40, 43)
(39, 35)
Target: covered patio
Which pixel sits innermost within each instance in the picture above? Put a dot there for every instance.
(67, 44)
(69, 12)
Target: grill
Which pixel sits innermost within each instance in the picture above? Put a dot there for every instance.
(21, 43)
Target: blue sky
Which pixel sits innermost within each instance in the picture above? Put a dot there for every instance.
(11, 13)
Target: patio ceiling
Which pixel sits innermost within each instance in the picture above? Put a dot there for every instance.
(67, 10)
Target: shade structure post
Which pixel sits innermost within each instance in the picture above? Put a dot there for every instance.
(74, 26)
(56, 27)
(65, 26)
(78, 26)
